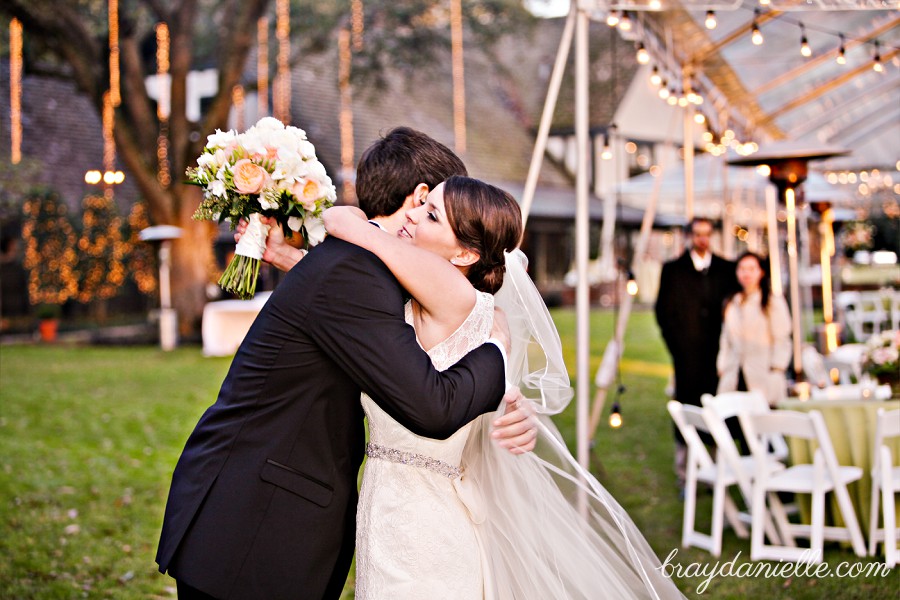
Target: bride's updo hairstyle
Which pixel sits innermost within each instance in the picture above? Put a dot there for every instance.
(487, 221)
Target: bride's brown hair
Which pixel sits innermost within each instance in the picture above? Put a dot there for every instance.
(487, 221)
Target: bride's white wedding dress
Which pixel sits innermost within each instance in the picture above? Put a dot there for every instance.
(464, 519)
(415, 538)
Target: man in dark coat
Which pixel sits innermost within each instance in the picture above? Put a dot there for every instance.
(693, 290)
(263, 498)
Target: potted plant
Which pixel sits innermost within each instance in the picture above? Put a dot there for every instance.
(48, 321)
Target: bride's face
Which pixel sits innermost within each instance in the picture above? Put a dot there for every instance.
(427, 226)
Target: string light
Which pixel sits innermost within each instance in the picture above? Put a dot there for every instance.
(625, 22)
(654, 5)
(109, 144)
(162, 139)
(805, 50)
(672, 97)
(346, 115)
(357, 22)
(615, 416)
(262, 67)
(100, 250)
(699, 118)
(283, 75)
(612, 19)
(655, 77)
(664, 90)
(643, 57)
(755, 34)
(841, 56)
(710, 21)
(459, 81)
(876, 65)
(15, 90)
(606, 153)
(115, 96)
(50, 250)
(237, 100)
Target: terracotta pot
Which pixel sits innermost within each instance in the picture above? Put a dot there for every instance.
(47, 329)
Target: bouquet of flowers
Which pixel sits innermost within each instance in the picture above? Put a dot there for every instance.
(882, 358)
(857, 235)
(269, 170)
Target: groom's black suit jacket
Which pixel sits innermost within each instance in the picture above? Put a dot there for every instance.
(263, 498)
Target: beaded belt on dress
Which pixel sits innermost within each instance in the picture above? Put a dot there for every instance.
(414, 460)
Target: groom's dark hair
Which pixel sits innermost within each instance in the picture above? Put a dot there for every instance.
(391, 168)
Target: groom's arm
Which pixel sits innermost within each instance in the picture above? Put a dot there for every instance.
(357, 320)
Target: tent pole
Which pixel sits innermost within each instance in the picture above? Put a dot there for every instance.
(540, 145)
(582, 290)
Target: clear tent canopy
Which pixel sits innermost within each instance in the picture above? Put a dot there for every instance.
(822, 73)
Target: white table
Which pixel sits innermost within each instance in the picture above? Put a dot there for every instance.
(226, 322)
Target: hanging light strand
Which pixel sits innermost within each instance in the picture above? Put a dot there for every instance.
(357, 23)
(237, 101)
(15, 90)
(109, 144)
(114, 94)
(162, 71)
(262, 67)
(459, 80)
(346, 116)
(283, 76)
(805, 50)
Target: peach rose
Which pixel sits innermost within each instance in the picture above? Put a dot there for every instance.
(307, 192)
(249, 178)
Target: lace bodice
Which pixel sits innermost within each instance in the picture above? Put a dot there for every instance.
(385, 431)
(415, 538)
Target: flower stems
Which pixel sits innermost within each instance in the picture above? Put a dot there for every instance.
(240, 276)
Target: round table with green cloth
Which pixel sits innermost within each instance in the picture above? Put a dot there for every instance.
(851, 424)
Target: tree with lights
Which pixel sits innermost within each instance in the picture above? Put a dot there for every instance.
(101, 250)
(100, 46)
(50, 256)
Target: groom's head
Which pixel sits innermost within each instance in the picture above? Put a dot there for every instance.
(403, 164)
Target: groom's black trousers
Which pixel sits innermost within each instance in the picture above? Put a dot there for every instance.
(186, 592)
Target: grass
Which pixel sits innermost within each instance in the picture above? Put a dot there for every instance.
(89, 437)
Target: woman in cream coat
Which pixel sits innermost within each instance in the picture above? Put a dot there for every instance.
(755, 347)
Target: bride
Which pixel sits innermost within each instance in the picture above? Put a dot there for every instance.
(461, 518)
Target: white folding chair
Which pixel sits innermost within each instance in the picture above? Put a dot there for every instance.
(822, 476)
(885, 483)
(731, 404)
(701, 467)
(716, 409)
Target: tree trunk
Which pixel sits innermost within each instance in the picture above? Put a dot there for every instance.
(192, 256)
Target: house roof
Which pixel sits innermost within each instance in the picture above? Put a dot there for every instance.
(61, 140)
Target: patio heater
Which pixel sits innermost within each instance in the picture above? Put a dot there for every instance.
(789, 163)
(162, 236)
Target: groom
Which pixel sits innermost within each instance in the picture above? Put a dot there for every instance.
(263, 498)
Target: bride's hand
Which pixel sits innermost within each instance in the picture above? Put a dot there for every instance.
(337, 218)
(516, 430)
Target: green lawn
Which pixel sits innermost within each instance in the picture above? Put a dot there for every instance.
(89, 437)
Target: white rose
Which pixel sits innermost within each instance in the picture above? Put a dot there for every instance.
(295, 223)
(315, 230)
(306, 149)
(207, 160)
(269, 123)
(220, 138)
(316, 170)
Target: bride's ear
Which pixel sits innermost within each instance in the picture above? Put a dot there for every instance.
(464, 258)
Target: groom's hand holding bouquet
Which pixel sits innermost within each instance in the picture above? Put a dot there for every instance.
(268, 171)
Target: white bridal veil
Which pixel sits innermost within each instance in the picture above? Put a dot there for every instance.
(547, 527)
